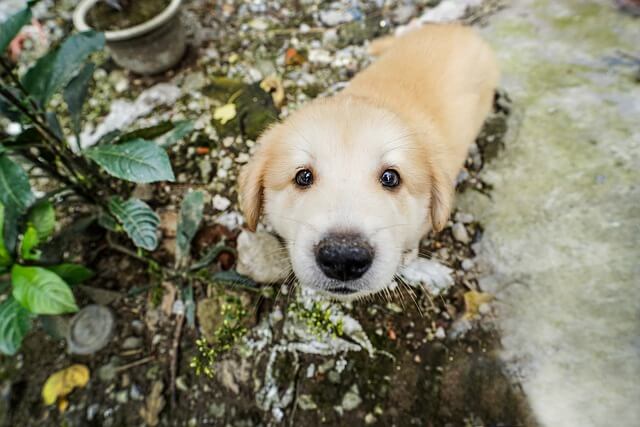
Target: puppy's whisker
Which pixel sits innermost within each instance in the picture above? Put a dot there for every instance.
(386, 227)
(284, 283)
(410, 292)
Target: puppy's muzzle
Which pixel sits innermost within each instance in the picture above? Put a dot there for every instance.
(344, 257)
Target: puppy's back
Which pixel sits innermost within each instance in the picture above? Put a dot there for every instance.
(439, 76)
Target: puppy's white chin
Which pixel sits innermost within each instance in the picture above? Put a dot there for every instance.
(361, 292)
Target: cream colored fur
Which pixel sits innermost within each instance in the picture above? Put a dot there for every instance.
(416, 109)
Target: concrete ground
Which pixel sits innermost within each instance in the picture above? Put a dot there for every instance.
(562, 226)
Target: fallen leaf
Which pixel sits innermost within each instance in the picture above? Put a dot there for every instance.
(273, 85)
(225, 113)
(154, 404)
(62, 382)
(472, 302)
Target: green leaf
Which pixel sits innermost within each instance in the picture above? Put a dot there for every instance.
(11, 232)
(138, 161)
(42, 217)
(138, 220)
(211, 254)
(55, 70)
(10, 28)
(54, 124)
(188, 223)
(109, 137)
(180, 130)
(29, 243)
(41, 291)
(233, 278)
(9, 110)
(35, 80)
(148, 133)
(15, 190)
(5, 256)
(75, 94)
(73, 274)
(107, 221)
(15, 322)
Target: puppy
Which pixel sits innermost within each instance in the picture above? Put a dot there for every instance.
(353, 182)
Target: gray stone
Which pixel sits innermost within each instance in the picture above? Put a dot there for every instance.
(262, 257)
(403, 13)
(90, 329)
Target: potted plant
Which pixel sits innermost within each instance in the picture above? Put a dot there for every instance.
(146, 37)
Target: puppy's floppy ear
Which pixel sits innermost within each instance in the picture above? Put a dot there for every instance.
(442, 189)
(251, 185)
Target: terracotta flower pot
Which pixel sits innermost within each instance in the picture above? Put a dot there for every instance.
(148, 48)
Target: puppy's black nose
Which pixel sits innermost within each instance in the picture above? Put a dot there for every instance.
(344, 256)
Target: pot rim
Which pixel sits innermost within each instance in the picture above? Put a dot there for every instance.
(80, 22)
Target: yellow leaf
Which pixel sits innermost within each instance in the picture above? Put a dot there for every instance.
(472, 302)
(225, 113)
(273, 85)
(63, 404)
(61, 383)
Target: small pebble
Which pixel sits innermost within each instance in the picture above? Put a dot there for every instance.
(132, 343)
(484, 309)
(221, 203)
(467, 264)
(460, 233)
(135, 393)
(440, 333)
(331, 18)
(351, 399)
(334, 377)
(122, 396)
(181, 384)
(92, 411)
(137, 326)
(465, 218)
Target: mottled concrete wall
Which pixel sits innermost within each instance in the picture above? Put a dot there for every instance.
(563, 225)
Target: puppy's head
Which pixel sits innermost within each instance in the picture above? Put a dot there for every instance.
(350, 189)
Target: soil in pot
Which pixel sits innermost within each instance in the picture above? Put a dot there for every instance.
(105, 16)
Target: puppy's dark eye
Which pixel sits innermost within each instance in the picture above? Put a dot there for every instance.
(304, 178)
(390, 178)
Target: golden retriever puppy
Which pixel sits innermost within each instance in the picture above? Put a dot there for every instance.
(352, 183)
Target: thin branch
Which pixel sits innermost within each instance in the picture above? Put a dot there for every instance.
(174, 357)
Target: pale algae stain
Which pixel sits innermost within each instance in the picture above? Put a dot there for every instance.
(562, 227)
